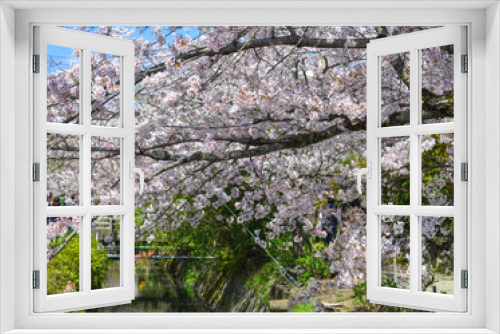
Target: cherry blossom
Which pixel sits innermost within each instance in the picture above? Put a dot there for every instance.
(268, 120)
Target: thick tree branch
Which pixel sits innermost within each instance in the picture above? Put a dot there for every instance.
(435, 108)
(288, 142)
(293, 40)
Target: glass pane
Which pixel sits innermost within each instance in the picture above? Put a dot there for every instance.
(437, 84)
(63, 255)
(105, 246)
(395, 251)
(105, 171)
(105, 89)
(395, 94)
(437, 170)
(437, 254)
(63, 170)
(395, 170)
(63, 84)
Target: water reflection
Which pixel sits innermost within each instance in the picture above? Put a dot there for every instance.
(159, 287)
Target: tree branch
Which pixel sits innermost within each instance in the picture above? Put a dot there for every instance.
(288, 142)
(293, 40)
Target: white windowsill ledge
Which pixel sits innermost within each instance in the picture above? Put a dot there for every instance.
(251, 331)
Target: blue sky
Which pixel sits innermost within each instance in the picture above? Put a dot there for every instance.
(63, 56)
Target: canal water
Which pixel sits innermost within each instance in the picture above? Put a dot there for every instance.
(158, 288)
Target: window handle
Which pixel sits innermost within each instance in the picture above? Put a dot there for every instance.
(134, 170)
(367, 171)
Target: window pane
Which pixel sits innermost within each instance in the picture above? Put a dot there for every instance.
(63, 84)
(395, 95)
(63, 255)
(437, 84)
(105, 256)
(437, 254)
(395, 254)
(63, 170)
(105, 171)
(395, 170)
(105, 90)
(437, 170)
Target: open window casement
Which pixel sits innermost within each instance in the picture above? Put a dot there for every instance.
(418, 131)
(83, 165)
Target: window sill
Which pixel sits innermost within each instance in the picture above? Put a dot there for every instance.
(251, 331)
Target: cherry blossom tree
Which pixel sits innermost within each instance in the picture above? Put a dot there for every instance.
(260, 124)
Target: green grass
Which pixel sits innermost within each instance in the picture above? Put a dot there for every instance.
(303, 308)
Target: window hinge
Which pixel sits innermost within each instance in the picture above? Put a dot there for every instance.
(36, 63)
(36, 279)
(464, 175)
(464, 279)
(36, 172)
(465, 64)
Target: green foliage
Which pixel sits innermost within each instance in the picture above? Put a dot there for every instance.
(303, 307)
(359, 291)
(232, 247)
(261, 280)
(282, 248)
(399, 197)
(353, 159)
(389, 283)
(64, 268)
(313, 266)
(99, 258)
(190, 276)
(434, 162)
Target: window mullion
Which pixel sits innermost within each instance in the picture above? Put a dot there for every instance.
(85, 246)
(85, 237)
(86, 110)
(414, 170)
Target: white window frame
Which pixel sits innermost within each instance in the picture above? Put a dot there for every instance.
(85, 297)
(413, 43)
(484, 102)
